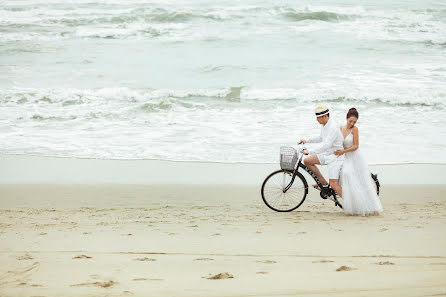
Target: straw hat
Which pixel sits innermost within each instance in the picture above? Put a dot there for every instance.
(321, 110)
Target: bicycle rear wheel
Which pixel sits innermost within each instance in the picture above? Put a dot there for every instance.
(375, 183)
(273, 191)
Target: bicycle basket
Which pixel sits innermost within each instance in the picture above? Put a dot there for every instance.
(288, 157)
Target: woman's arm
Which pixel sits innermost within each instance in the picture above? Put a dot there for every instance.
(355, 145)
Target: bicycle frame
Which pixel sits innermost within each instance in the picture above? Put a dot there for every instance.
(326, 191)
(301, 165)
(311, 173)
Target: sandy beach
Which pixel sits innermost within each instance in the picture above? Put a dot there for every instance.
(215, 240)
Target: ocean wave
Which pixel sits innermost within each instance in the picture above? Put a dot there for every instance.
(106, 17)
(70, 17)
(70, 97)
(441, 43)
(150, 107)
(183, 23)
(380, 101)
(155, 100)
(168, 104)
(324, 16)
(35, 20)
(319, 94)
(38, 117)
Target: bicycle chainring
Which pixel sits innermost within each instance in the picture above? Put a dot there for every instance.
(324, 195)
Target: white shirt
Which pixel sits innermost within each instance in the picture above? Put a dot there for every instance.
(329, 141)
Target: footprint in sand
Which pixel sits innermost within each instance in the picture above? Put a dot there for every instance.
(32, 285)
(203, 259)
(223, 275)
(105, 284)
(216, 234)
(25, 257)
(323, 261)
(147, 279)
(344, 268)
(43, 233)
(266, 261)
(383, 229)
(144, 259)
(82, 257)
(23, 271)
(385, 263)
(261, 272)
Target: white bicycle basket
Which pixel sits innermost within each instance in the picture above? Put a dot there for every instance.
(288, 157)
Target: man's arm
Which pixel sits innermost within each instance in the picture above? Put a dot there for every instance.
(326, 144)
(312, 139)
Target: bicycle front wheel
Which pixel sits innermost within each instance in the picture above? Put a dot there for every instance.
(275, 195)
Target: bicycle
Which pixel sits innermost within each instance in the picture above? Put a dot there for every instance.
(285, 190)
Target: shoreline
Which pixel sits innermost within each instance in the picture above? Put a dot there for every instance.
(26, 169)
(190, 161)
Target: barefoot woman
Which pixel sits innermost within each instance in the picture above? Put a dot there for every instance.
(359, 195)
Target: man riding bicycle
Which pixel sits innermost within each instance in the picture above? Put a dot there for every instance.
(329, 141)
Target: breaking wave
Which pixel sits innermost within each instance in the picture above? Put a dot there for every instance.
(153, 100)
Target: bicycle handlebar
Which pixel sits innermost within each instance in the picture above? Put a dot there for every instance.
(300, 147)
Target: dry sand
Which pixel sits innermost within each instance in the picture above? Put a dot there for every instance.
(147, 240)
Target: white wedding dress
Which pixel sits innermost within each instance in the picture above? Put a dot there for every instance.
(358, 191)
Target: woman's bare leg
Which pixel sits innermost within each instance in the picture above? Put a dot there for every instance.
(334, 184)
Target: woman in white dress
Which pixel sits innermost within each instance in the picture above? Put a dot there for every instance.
(358, 192)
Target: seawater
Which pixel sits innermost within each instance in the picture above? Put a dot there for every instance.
(226, 81)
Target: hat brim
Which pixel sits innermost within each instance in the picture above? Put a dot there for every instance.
(322, 113)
